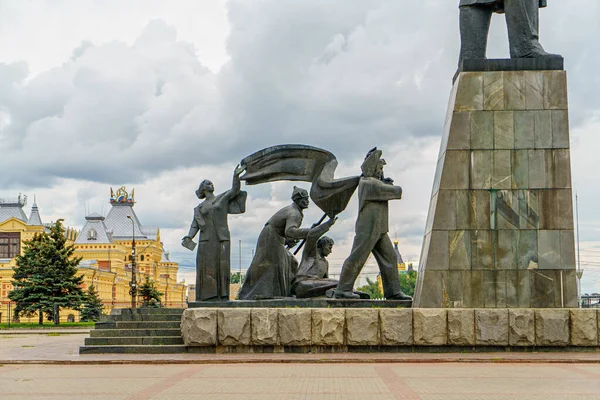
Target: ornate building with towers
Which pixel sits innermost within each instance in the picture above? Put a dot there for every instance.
(105, 245)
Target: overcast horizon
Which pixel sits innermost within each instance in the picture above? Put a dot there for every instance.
(158, 96)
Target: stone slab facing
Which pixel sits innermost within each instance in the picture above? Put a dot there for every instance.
(378, 329)
(265, 326)
(199, 327)
(295, 327)
(499, 232)
(234, 327)
(396, 327)
(552, 327)
(461, 327)
(521, 331)
(584, 327)
(430, 327)
(363, 327)
(328, 327)
(491, 327)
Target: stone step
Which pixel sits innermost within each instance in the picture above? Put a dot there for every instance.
(135, 332)
(153, 311)
(134, 340)
(160, 349)
(142, 317)
(138, 325)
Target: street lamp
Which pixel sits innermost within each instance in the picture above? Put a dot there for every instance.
(133, 283)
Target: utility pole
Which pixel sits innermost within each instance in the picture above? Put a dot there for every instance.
(240, 263)
(579, 272)
(133, 283)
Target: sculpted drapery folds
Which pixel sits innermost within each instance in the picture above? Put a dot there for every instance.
(210, 220)
(269, 274)
(273, 267)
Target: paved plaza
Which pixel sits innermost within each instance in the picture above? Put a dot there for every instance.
(60, 347)
(426, 381)
(48, 366)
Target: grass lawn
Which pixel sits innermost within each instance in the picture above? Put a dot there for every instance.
(47, 325)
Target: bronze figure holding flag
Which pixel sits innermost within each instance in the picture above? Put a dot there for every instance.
(374, 192)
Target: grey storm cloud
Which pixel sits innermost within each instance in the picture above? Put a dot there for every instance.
(339, 74)
(345, 75)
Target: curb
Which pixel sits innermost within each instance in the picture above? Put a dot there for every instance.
(370, 360)
(44, 332)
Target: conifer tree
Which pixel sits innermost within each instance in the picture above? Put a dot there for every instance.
(92, 307)
(45, 278)
(372, 289)
(150, 295)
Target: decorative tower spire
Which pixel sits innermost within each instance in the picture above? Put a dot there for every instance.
(122, 197)
(400, 261)
(34, 217)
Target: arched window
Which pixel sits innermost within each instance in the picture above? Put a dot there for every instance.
(142, 257)
(92, 234)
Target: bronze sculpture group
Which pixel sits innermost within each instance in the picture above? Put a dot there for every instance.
(274, 271)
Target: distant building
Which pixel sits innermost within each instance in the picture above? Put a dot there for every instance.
(105, 246)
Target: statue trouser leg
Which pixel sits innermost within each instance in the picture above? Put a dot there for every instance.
(522, 21)
(361, 248)
(474, 28)
(388, 266)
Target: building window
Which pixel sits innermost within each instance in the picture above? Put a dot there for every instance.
(142, 257)
(92, 234)
(10, 244)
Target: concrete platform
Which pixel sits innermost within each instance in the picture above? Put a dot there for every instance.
(301, 303)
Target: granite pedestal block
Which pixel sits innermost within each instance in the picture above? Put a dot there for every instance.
(500, 231)
(317, 330)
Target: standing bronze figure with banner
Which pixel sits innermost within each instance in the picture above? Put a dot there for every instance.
(210, 219)
(374, 192)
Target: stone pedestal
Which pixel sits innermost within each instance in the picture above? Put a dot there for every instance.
(500, 232)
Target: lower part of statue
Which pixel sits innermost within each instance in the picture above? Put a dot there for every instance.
(311, 287)
(212, 271)
(272, 270)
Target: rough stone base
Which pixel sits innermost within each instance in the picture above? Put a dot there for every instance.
(304, 330)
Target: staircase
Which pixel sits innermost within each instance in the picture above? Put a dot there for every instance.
(137, 331)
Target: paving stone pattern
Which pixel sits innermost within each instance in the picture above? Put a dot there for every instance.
(500, 232)
(316, 381)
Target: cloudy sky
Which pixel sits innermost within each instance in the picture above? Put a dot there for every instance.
(159, 95)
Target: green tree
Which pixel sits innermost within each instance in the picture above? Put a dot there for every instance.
(372, 289)
(151, 297)
(92, 307)
(408, 281)
(236, 277)
(45, 278)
